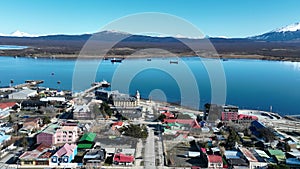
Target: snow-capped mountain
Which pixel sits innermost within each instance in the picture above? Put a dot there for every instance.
(287, 33)
(290, 28)
(18, 34)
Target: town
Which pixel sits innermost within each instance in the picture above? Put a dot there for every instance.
(97, 128)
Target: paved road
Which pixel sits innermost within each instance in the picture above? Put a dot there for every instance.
(149, 156)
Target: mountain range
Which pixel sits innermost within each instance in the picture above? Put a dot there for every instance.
(278, 44)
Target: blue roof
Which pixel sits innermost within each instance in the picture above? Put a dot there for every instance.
(4, 137)
(292, 161)
(257, 124)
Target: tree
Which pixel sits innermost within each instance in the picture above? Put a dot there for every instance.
(46, 120)
(161, 117)
(135, 131)
(10, 119)
(267, 134)
(24, 142)
(105, 109)
(232, 138)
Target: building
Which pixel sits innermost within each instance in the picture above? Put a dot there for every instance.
(58, 134)
(104, 94)
(234, 159)
(215, 112)
(64, 155)
(81, 112)
(23, 94)
(94, 157)
(181, 124)
(87, 141)
(31, 124)
(229, 113)
(4, 138)
(214, 161)
(252, 160)
(32, 105)
(277, 154)
(7, 106)
(39, 156)
(123, 100)
(122, 159)
(242, 118)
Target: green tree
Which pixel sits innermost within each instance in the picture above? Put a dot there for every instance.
(24, 142)
(10, 119)
(105, 109)
(161, 117)
(232, 138)
(46, 120)
(135, 131)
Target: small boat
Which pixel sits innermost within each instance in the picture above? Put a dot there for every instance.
(116, 60)
(225, 59)
(173, 61)
(149, 59)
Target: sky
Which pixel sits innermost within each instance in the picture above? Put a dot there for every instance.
(228, 18)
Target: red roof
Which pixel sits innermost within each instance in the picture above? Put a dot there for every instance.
(192, 122)
(7, 105)
(243, 116)
(214, 159)
(42, 147)
(168, 114)
(118, 123)
(122, 158)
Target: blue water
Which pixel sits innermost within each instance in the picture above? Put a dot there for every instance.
(251, 84)
(12, 47)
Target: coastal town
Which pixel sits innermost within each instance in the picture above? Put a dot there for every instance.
(98, 128)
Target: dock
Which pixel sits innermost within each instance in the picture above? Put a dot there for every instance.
(28, 83)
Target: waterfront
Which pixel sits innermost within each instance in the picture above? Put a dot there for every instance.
(251, 84)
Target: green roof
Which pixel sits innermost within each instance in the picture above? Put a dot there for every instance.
(84, 145)
(278, 154)
(88, 137)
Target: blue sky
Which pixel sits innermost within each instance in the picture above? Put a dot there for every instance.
(231, 18)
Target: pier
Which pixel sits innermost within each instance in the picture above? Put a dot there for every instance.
(28, 83)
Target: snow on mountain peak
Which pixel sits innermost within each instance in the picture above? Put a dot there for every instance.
(18, 34)
(290, 28)
(21, 34)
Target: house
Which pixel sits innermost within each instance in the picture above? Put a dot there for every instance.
(122, 159)
(33, 123)
(252, 160)
(94, 156)
(234, 159)
(64, 155)
(87, 141)
(81, 112)
(293, 163)
(7, 106)
(277, 154)
(181, 124)
(22, 94)
(32, 104)
(39, 156)
(131, 113)
(58, 134)
(117, 125)
(214, 161)
(4, 138)
(53, 99)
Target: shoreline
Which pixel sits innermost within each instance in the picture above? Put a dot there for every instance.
(224, 57)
